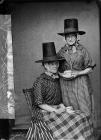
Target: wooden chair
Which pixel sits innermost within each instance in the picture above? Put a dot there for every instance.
(29, 97)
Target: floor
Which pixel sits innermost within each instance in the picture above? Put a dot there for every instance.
(20, 135)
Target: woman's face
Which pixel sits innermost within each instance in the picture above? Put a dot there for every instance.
(52, 67)
(71, 39)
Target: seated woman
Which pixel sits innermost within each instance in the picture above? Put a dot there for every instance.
(51, 120)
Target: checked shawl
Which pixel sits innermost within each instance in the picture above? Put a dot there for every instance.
(69, 126)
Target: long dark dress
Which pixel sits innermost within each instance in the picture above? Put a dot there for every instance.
(77, 92)
(49, 125)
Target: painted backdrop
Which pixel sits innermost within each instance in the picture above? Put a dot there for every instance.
(7, 108)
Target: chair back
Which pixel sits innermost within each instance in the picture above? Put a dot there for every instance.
(29, 97)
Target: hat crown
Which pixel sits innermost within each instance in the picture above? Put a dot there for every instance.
(49, 53)
(48, 49)
(70, 25)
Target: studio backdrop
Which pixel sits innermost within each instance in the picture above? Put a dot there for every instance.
(35, 23)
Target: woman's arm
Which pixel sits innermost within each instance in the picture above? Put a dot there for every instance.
(75, 73)
(82, 72)
(47, 108)
(51, 108)
(86, 71)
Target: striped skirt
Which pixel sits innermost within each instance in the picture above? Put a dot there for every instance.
(39, 131)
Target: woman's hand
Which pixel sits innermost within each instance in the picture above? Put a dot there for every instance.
(70, 110)
(69, 74)
(82, 72)
(62, 106)
(55, 108)
(75, 73)
(60, 109)
(66, 74)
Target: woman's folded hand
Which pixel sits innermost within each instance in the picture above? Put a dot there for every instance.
(75, 73)
(66, 74)
(60, 110)
(69, 74)
(70, 110)
(62, 106)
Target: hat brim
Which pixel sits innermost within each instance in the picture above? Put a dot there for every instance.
(49, 60)
(73, 32)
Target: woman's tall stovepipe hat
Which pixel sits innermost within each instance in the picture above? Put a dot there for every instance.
(49, 53)
(71, 27)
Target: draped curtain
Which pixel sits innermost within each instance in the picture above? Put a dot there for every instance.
(7, 110)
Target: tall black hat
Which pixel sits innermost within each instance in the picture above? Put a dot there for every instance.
(49, 53)
(71, 26)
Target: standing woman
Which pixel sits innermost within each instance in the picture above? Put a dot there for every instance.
(75, 82)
